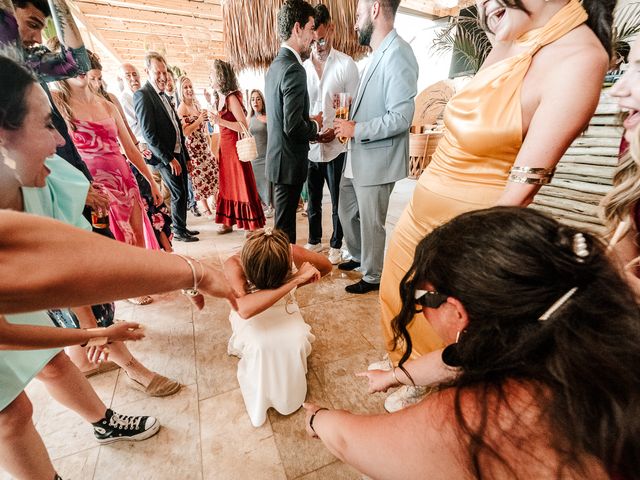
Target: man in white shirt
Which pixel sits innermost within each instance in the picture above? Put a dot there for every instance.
(131, 81)
(329, 72)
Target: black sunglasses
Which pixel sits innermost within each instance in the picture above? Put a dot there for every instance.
(430, 299)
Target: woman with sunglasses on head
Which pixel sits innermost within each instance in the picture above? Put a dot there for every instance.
(541, 339)
(505, 131)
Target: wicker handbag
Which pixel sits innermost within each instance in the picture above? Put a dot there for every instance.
(246, 145)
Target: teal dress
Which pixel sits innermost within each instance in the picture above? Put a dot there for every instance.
(62, 198)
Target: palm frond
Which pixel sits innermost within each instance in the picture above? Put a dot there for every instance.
(463, 37)
(626, 24)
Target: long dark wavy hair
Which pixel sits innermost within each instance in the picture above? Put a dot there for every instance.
(600, 18)
(225, 76)
(507, 266)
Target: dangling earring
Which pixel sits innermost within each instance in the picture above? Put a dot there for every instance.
(450, 354)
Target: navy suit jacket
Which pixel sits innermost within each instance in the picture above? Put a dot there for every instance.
(288, 123)
(156, 126)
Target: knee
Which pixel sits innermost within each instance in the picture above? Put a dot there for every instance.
(16, 416)
(56, 368)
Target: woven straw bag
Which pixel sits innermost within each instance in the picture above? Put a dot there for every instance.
(246, 145)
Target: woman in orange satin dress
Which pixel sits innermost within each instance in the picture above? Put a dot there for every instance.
(505, 132)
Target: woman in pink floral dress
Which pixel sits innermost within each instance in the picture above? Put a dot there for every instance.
(96, 126)
(203, 166)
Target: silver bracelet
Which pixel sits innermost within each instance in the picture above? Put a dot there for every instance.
(192, 292)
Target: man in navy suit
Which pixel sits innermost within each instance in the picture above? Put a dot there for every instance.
(290, 128)
(160, 126)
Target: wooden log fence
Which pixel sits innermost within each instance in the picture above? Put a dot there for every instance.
(585, 173)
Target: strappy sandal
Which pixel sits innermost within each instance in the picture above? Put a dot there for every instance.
(144, 300)
(103, 367)
(223, 229)
(160, 386)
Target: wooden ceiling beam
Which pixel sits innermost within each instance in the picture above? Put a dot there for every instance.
(153, 16)
(189, 8)
(208, 29)
(190, 35)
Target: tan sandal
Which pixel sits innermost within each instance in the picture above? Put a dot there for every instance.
(103, 367)
(144, 300)
(223, 229)
(159, 386)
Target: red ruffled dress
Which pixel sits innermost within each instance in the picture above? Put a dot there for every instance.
(238, 200)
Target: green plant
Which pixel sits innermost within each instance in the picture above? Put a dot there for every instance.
(465, 39)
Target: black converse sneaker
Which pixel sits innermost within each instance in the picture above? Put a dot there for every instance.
(121, 428)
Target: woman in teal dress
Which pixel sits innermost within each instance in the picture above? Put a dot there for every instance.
(25, 114)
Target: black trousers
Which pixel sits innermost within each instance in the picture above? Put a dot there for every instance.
(285, 202)
(177, 185)
(319, 172)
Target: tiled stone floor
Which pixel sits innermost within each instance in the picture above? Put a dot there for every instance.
(206, 433)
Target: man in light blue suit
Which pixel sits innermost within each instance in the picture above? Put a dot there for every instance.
(378, 130)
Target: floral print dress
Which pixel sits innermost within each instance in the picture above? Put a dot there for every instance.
(202, 166)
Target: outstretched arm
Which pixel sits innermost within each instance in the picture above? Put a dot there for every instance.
(41, 260)
(66, 27)
(32, 337)
(427, 370)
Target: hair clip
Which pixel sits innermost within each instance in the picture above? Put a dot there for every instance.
(268, 231)
(553, 308)
(580, 247)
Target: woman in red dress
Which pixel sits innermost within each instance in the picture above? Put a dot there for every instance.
(238, 200)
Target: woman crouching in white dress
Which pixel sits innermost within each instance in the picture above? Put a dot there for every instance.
(269, 334)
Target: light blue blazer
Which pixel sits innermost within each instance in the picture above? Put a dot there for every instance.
(383, 110)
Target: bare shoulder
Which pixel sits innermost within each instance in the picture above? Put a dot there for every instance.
(109, 107)
(506, 420)
(578, 53)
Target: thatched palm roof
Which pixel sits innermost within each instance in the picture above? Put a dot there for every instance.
(192, 33)
(251, 36)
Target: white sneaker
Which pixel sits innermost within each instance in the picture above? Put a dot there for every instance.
(269, 212)
(405, 396)
(335, 256)
(384, 364)
(314, 248)
(346, 256)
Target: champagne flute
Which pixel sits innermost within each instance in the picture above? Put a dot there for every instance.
(342, 102)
